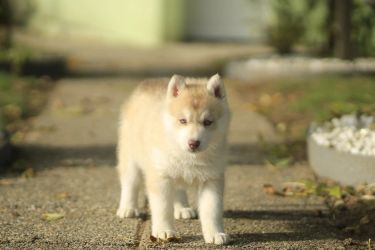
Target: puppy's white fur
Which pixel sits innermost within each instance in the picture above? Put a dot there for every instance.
(156, 125)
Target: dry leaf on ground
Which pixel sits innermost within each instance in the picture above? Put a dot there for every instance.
(52, 216)
(269, 189)
(28, 173)
(62, 195)
(6, 182)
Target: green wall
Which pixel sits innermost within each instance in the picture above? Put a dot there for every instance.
(139, 22)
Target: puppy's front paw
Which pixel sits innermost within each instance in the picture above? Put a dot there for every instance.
(217, 238)
(185, 213)
(165, 235)
(127, 212)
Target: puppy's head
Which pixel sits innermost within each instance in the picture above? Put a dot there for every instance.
(197, 112)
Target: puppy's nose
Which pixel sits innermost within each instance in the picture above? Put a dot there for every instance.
(193, 144)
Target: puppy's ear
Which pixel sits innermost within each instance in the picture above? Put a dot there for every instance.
(215, 86)
(176, 85)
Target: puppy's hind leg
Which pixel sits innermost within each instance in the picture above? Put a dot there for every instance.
(181, 206)
(130, 179)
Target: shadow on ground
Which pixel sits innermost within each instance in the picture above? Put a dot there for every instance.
(273, 214)
(301, 225)
(58, 66)
(49, 156)
(52, 66)
(246, 238)
(294, 228)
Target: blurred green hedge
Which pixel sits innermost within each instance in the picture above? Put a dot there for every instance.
(310, 23)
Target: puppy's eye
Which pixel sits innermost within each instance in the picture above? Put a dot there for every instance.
(207, 123)
(182, 121)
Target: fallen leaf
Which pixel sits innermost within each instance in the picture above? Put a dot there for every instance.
(339, 205)
(74, 109)
(252, 107)
(12, 111)
(46, 128)
(269, 189)
(52, 216)
(265, 100)
(310, 187)
(292, 188)
(369, 245)
(6, 182)
(28, 173)
(15, 213)
(333, 191)
(283, 162)
(153, 238)
(360, 188)
(158, 240)
(279, 162)
(364, 220)
(57, 104)
(62, 195)
(348, 242)
(367, 197)
(281, 127)
(370, 189)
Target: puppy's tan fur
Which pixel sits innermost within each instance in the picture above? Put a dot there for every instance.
(155, 143)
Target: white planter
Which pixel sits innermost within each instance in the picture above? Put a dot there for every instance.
(344, 167)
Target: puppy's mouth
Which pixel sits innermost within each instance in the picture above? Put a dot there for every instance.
(195, 150)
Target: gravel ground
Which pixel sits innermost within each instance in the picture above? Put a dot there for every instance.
(253, 218)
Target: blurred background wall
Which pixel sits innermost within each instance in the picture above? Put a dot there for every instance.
(144, 22)
(340, 28)
(152, 22)
(237, 20)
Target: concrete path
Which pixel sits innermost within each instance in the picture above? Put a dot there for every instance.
(72, 148)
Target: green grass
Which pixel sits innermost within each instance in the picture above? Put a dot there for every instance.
(322, 97)
(16, 55)
(291, 104)
(7, 93)
(295, 103)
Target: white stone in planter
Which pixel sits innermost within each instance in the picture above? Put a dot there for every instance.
(344, 149)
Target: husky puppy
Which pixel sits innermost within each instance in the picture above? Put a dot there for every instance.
(172, 135)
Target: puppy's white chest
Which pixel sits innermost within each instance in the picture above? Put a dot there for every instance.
(185, 166)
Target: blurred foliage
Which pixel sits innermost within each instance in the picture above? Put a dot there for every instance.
(13, 13)
(363, 33)
(22, 11)
(4, 11)
(310, 23)
(20, 98)
(5, 24)
(287, 26)
(15, 56)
